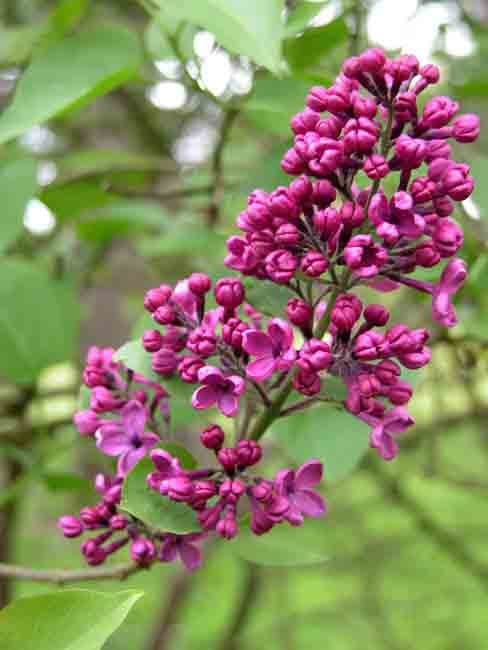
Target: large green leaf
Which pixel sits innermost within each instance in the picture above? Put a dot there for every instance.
(17, 186)
(152, 508)
(70, 73)
(121, 217)
(249, 27)
(308, 49)
(300, 17)
(274, 102)
(285, 545)
(38, 321)
(67, 620)
(334, 436)
(135, 357)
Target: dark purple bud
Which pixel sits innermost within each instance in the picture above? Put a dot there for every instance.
(323, 193)
(287, 235)
(367, 346)
(426, 254)
(227, 526)
(199, 283)
(304, 121)
(466, 128)
(87, 422)
(179, 488)
(314, 264)
(249, 452)
(188, 369)
(388, 372)
(227, 457)
(410, 152)
(317, 99)
(438, 112)
(299, 312)
(212, 437)
(233, 331)
(118, 522)
(301, 190)
(363, 106)
(231, 490)
(157, 297)
(202, 341)
(368, 384)
(152, 340)
(307, 383)
(399, 393)
(263, 491)
(448, 237)
(70, 526)
(360, 135)
(315, 355)
(376, 167)
(372, 61)
(229, 292)
(143, 551)
(165, 315)
(280, 266)
(164, 361)
(376, 315)
(414, 360)
(346, 312)
(292, 163)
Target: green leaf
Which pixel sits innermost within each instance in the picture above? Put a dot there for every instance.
(175, 241)
(133, 355)
(18, 185)
(187, 461)
(64, 17)
(274, 102)
(152, 508)
(84, 398)
(64, 481)
(250, 27)
(17, 43)
(300, 17)
(156, 41)
(69, 74)
(121, 217)
(285, 545)
(75, 619)
(38, 321)
(267, 297)
(308, 49)
(335, 437)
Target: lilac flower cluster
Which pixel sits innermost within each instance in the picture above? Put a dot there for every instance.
(360, 212)
(290, 496)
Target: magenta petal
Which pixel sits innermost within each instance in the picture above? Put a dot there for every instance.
(134, 417)
(257, 343)
(113, 443)
(204, 397)
(190, 556)
(280, 333)
(163, 461)
(384, 443)
(168, 551)
(149, 439)
(228, 404)
(129, 459)
(309, 474)
(210, 375)
(294, 516)
(310, 503)
(284, 481)
(261, 368)
(238, 384)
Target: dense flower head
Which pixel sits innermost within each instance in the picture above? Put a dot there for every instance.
(371, 204)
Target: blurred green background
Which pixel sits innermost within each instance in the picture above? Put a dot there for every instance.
(131, 135)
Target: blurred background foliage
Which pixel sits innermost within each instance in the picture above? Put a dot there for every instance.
(130, 135)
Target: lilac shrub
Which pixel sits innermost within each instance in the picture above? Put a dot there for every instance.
(371, 204)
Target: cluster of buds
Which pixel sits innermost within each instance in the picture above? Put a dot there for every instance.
(121, 402)
(335, 228)
(116, 529)
(290, 496)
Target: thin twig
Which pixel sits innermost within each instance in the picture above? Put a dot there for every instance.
(161, 636)
(248, 592)
(62, 576)
(177, 193)
(230, 116)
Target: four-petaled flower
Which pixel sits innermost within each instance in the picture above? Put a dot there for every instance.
(273, 350)
(394, 421)
(127, 438)
(297, 486)
(218, 389)
(184, 547)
